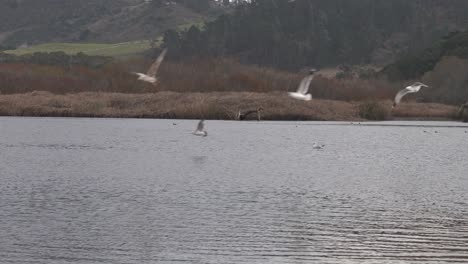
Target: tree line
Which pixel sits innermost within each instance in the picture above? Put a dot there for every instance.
(304, 33)
(416, 65)
(58, 58)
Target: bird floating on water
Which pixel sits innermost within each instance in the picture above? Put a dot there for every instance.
(301, 93)
(200, 131)
(414, 88)
(150, 76)
(317, 146)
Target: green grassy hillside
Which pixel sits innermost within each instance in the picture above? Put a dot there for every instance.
(98, 21)
(92, 49)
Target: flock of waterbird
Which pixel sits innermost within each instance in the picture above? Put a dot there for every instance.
(302, 92)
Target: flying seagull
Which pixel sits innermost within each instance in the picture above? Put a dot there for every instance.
(414, 88)
(200, 129)
(150, 76)
(301, 93)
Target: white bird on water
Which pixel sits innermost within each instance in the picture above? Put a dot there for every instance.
(150, 76)
(301, 93)
(200, 131)
(414, 88)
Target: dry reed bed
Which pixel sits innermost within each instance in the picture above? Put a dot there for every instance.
(432, 111)
(212, 105)
(194, 75)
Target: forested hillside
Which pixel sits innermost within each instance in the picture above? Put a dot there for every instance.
(415, 65)
(300, 33)
(38, 21)
(444, 66)
(279, 33)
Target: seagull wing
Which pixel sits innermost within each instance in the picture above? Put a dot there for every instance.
(139, 74)
(304, 85)
(155, 66)
(200, 126)
(400, 95)
(419, 84)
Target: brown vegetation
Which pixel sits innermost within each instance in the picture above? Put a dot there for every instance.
(448, 81)
(209, 75)
(194, 75)
(373, 110)
(203, 88)
(214, 105)
(463, 112)
(430, 111)
(204, 75)
(23, 78)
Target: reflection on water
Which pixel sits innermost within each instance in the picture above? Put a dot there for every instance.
(146, 191)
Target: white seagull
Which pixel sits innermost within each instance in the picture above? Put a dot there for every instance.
(414, 88)
(200, 129)
(301, 93)
(150, 76)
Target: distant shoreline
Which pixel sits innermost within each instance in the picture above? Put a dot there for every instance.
(213, 105)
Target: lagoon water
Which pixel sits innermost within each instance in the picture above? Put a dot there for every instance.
(147, 191)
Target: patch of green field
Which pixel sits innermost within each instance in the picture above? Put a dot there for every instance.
(200, 25)
(113, 50)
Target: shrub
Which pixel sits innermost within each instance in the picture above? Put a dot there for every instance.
(373, 110)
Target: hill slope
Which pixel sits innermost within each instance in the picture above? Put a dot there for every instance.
(443, 67)
(415, 65)
(32, 21)
(120, 50)
(304, 33)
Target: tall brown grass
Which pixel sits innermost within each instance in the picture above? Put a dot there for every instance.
(373, 110)
(212, 105)
(207, 75)
(215, 88)
(448, 81)
(167, 104)
(23, 78)
(424, 111)
(193, 75)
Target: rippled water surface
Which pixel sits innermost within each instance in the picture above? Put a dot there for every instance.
(147, 191)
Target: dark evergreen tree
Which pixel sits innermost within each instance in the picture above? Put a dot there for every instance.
(301, 33)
